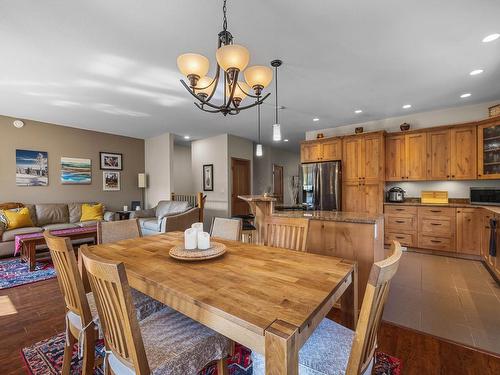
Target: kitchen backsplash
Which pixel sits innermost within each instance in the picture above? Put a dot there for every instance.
(455, 189)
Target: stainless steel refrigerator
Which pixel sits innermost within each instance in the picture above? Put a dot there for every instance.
(322, 186)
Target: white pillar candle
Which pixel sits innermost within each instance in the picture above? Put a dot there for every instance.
(203, 240)
(190, 239)
(197, 226)
(125, 208)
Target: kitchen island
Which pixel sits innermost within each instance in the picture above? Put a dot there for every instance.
(349, 235)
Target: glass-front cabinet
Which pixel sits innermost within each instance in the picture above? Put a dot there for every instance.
(489, 149)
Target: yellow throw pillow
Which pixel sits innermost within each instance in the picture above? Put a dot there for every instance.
(92, 212)
(18, 219)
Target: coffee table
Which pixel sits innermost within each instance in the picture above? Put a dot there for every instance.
(27, 243)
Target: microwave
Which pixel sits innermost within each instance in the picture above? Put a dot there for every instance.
(485, 196)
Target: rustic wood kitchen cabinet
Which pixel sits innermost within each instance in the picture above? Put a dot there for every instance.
(326, 149)
(488, 153)
(469, 230)
(405, 157)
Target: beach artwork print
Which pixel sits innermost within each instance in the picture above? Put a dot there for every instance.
(32, 168)
(76, 171)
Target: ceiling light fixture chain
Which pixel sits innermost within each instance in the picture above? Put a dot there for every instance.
(232, 61)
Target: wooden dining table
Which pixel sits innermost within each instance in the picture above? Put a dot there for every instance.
(268, 299)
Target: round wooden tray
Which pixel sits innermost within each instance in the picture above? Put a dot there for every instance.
(180, 253)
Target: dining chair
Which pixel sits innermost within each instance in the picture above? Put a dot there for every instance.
(227, 229)
(166, 342)
(334, 349)
(81, 314)
(288, 233)
(114, 231)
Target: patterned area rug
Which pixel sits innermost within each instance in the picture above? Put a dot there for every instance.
(13, 272)
(46, 357)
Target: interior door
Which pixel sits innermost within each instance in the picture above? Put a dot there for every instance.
(438, 155)
(240, 170)
(278, 182)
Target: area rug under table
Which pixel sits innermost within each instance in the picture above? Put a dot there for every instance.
(46, 357)
(13, 272)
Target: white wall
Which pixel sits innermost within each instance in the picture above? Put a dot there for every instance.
(159, 168)
(240, 148)
(213, 150)
(263, 170)
(182, 177)
(416, 120)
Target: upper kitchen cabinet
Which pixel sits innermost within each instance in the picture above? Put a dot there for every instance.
(351, 160)
(327, 149)
(395, 160)
(363, 157)
(488, 151)
(463, 151)
(438, 155)
(416, 156)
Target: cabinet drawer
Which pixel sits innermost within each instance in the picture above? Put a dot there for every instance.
(436, 212)
(433, 227)
(406, 239)
(436, 243)
(398, 210)
(401, 222)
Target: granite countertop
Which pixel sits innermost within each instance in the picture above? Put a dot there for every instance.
(453, 203)
(346, 217)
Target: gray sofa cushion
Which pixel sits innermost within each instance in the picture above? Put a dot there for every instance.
(53, 213)
(88, 223)
(60, 226)
(167, 208)
(9, 235)
(150, 224)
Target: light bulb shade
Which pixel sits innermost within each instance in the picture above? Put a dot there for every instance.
(193, 64)
(202, 87)
(258, 150)
(141, 180)
(258, 75)
(276, 132)
(232, 56)
(240, 92)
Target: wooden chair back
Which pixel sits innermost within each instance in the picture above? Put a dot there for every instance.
(196, 200)
(122, 335)
(365, 340)
(113, 231)
(63, 257)
(228, 229)
(289, 233)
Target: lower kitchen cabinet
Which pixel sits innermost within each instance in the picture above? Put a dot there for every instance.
(469, 229)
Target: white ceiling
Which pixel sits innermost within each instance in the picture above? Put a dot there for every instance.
(111, 65)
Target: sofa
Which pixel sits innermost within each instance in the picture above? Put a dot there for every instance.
(167, 216)
(49, 216)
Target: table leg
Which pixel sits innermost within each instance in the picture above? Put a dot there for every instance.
(83, 273)
(31, 249)
(281, 349)
(349, 302)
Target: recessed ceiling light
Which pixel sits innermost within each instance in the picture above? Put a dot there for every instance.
(187, 137)
(285, 140)
(476, 72)
(491, 38)
(466, 95)
(18, 124)
(406, 106)
(315, 119)
(358, 111)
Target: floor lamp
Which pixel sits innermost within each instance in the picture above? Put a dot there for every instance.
(141, 179)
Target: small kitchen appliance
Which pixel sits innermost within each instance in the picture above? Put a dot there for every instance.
(396, 195)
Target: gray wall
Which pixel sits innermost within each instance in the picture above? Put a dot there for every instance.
(70, 142)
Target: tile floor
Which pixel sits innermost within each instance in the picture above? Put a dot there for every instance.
(447, 297)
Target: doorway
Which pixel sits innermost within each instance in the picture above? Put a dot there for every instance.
(278, 183)
(240, 170)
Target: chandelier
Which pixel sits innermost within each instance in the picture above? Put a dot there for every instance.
(232, 59)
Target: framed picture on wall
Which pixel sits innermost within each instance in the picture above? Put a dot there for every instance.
(32, 168)
(208, 177)
(110, 181)
(76, 171)
(111, 161)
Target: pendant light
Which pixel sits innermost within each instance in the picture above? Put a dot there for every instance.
(276, 125)
(258, 147)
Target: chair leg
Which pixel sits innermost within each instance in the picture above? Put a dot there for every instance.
(222, 366)
(89, 352)
(68, 352)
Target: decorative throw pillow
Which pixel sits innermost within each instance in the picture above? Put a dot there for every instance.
(17, 218)
(92, 212)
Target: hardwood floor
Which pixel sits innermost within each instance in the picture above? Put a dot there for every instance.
(40, 314)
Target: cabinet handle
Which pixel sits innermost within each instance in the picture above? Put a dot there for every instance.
(400, 237)
(447, 176)
(435, 224)
(400, 209)
(435, 210)
(435, 241)
(452, 176)
(400, 221)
